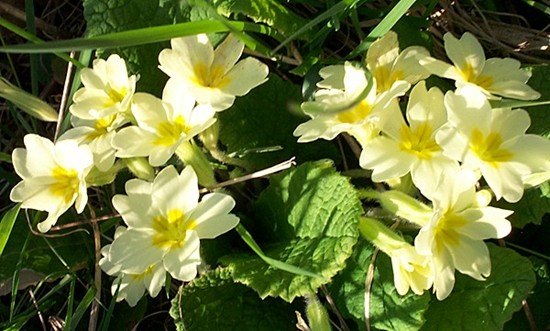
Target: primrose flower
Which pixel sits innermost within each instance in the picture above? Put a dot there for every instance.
(460, 221)
(494, 77)
(410, 269)
(212, 76)
(107, 90)
(388, 65)
(343, 104)
(165, 223)
(98, 135)
(162, 125)
(53, 176)
(131, 287)
(410, 148)
(492, 141)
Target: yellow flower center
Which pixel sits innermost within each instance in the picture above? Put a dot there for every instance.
(355, 114)
(445, 232)
(101, 127)
(171, 229)
(419, 141)
(170, 132)
(142, 275)
(115, 96)
(213, 77)
(66, 183)
(487, 148)
(470, 75)
(385, 78)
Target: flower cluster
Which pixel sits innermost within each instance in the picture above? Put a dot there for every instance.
(114, 127)
(448, 143)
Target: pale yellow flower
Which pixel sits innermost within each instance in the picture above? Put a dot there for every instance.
(410, 147)
(162, 125)
(165, 223)
(107, 90)
(494, 77)
(131, 287)
(212, 76)
(53, 176)
(492, 141)
(98, 135)
(388, 65)
(461, 220)
(410, 269)
(346, 103)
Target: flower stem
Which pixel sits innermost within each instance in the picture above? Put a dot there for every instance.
(380, 235)
(192, 155)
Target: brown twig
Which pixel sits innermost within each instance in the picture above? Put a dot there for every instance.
(64, 97)
(39, 313)
(94, 311)
(368, 287)
(334, 309)
(262, 173)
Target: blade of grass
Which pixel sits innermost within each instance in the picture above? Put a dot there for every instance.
(82, 307)
(15, 278)
(139, 36)
(104, 325)
(84, 58)
(70, 304)
(332, 11)
(542, 7)
(245, 235)
(508, 103)
(250, 42)
(398, 11)
(6, 225)
(17, 30)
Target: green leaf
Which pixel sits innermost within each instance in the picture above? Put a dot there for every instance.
(540, 119)
(530, 209)
(6, 225)
(103, 17)
(387, 23)
(259, 127)
(309, 217)
(215, 302)
(388, 310)
(484, 305)
(538, 301)
(271, 12)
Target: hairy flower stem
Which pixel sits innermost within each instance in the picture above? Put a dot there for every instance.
(192, 155)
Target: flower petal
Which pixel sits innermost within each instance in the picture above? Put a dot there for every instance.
(244, 76)
(182, 263)
(134, 251)
(211, 215)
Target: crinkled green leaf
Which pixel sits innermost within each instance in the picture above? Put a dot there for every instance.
(484, 305)
(540, 115)
(107, 16)
(307, 217)
(530, 209)
(258, 128)
(538, 301)
(215, 302)
(271, 12)
(388, 310)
